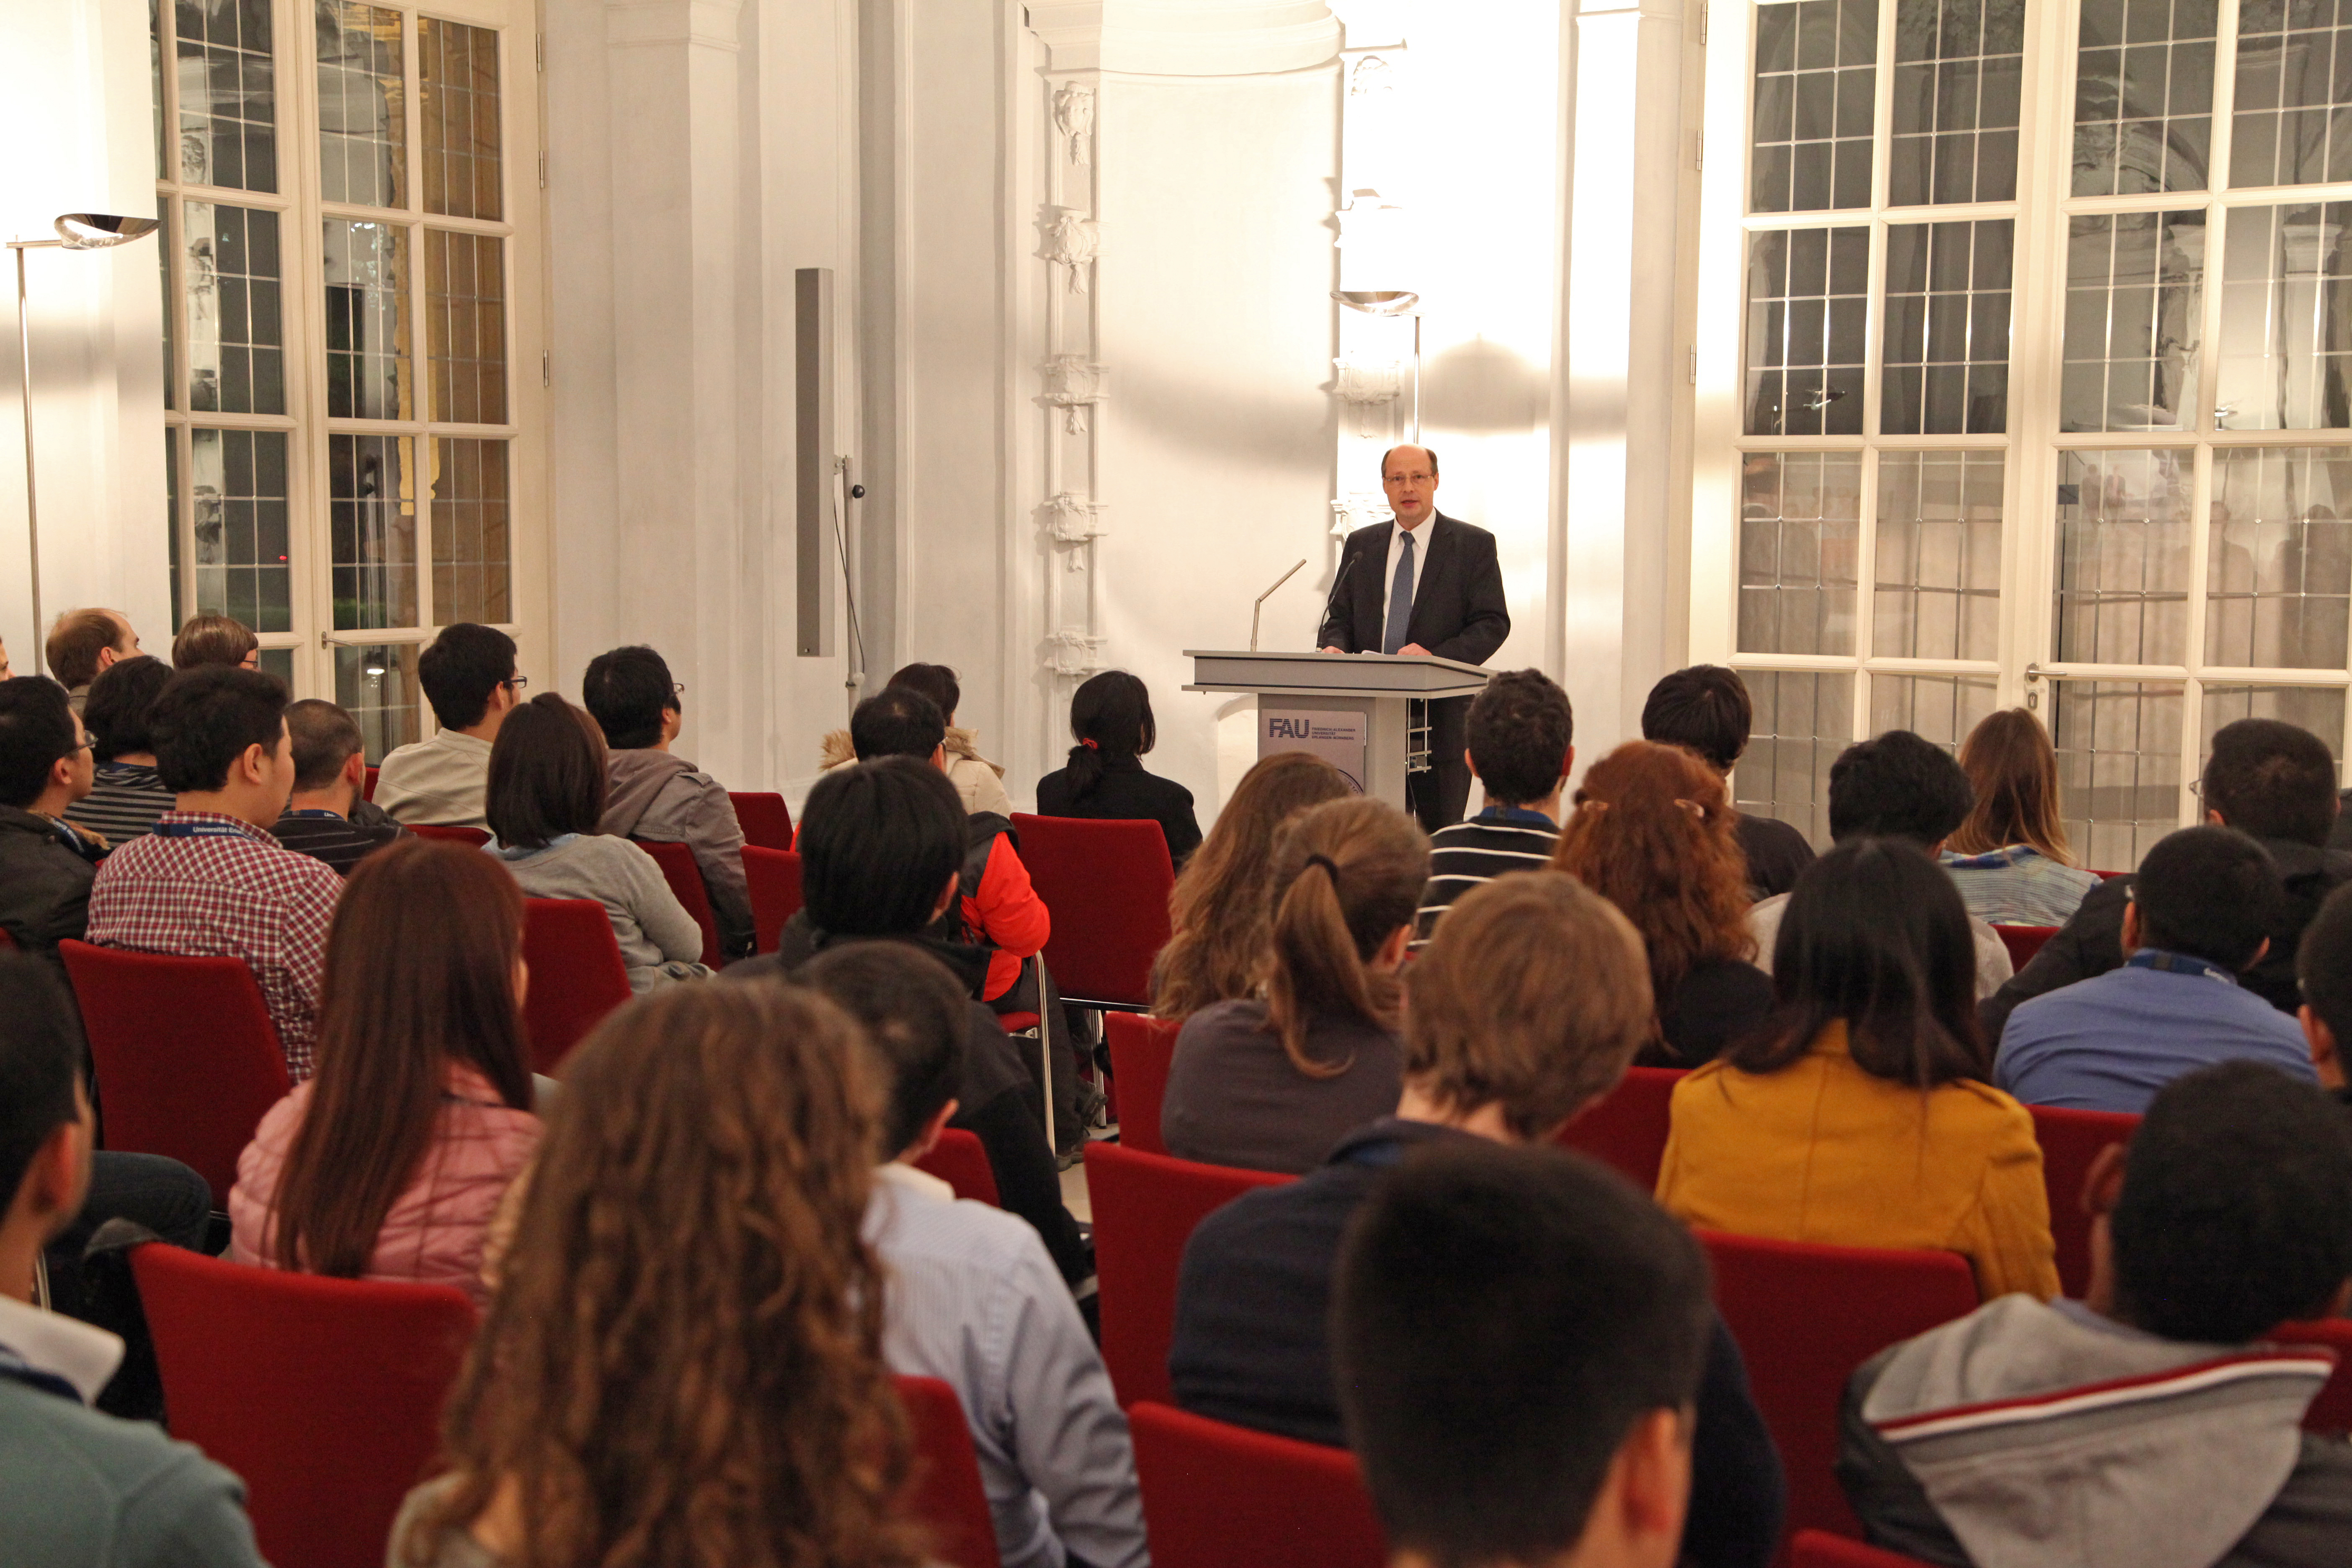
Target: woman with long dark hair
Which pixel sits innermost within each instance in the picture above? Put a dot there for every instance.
(2009, 859)
(1110, 718)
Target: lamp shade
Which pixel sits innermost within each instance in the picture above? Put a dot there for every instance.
(95, 231)
(1378, 301)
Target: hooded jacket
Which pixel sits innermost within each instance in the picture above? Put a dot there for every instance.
(653, 795)
(980, 782)
(46, 871)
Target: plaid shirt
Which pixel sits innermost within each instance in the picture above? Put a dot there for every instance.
(226, 894)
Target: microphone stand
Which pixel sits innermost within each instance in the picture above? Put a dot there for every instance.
(1345, 562)
(1258, 608)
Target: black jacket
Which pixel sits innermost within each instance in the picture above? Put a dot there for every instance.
(1459, 611)
(1127, 794)
(45, 881)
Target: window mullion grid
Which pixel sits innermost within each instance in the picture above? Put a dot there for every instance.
(422, 407)
(302, 246)
(2208, 387)
(2200, 535)
(1865, 577)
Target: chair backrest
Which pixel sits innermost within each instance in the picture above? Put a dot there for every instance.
(1145, 1207)
(774, 877)
(1626, 1128)
(961, 1160)
(2023, 942)
(1819, 1549)
(324, 1395)
(7, 943)
(367, 785)
(576, 976)
(1141, 1047)
(685, 880)
(475, 836)
(2070, 1141)
(188, 1061)
(765, 818)
(946, 1493)
(1216, 1496)
(1107, 884)
(2331, 1412)
(1805, 1317)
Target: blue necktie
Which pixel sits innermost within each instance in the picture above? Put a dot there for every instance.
(1400, 601)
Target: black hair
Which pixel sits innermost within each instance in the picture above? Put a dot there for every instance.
(1898, 787)
(878, 842)
(40, 1058)
(2236, 1211)
(1503, 1318)
(628, 690)
(546, 775)
(2272, 779)
(204, 719)
(1704, 709)
(936, 681)
(1520, 729)
(115, 712)
(915, 1014)
(1111, 717)
(2209, 892)
(896, 722)
(463, 670)
(2323, 963)
(36, 730)
(324, 737)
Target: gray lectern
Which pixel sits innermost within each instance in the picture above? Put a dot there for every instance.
(1359, 712)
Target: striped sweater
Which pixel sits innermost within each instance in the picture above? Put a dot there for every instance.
(1498, 840)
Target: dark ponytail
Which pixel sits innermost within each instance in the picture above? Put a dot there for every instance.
(1111, 717)
(1347, 874)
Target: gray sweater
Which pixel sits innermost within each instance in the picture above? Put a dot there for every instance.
(659, 940)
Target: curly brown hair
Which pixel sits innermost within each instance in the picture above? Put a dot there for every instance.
(682, 1364)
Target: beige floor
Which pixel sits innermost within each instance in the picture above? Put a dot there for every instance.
(1073, 1194)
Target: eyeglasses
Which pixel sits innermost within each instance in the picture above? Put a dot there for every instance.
(677, 689)
(515, 682)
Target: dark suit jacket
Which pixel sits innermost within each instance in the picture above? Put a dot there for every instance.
(1458, 608)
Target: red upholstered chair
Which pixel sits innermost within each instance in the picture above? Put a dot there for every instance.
(946, 1493)
(2332, 1411)
(1626, 1128)
(367, 787)
(960, 1160)
(1819, 1549)
(775, 876)
(1805, 1317)
(324, 1395)
(1107, 884)
(7, 943)
(2070, 1141)
(1216, 1496)
(765, 818)
(187, 1058)
(1145, 1207)
(476, 837)
(2023, 942)
(1141, 1050)
(685, 880)
(576, 976)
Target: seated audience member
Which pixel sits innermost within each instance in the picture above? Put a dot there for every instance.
(974, 1299)
(881, 845)
(683, 1363)
(1896, 786)
(2267, 778)
(326, 819)
(2199, 907)
(1273, 1084)
(1219, 917)
(2009, 859)
(84, 644)
(980, 782)
(1525, 1010)
(216, 640)
(1705, 708)
(546, 797)
(1111, 716)
(1521, 1338)
(2324, 966)
(1653, 834)
(77, 1486)
(2147, 1423)
(46, 866)
(389, 1164)
(127, 794)
(652, 793)
(211, 880)
(470, 679)
(1857, 1117)
(1520, 732)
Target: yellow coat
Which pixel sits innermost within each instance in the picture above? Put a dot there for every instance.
(1823, 1152)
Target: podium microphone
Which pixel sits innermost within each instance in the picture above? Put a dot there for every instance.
(1256, 608)
(1346, 563)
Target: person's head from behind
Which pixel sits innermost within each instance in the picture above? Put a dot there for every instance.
(635, 701)
(118, 703)
(1525, 1009)
(684, 1352)
(44, 763)
(469, 677)
(546, 775)
(83, 643)
(881, 846)
(2205, 892)
(914, 1013)
(330, 759)
(1346, 882)
(2323, 965)
(219, 734)
(2271, 779)
(1897, 786)
(1521, 738)
(216, 640)
(46, 1126)
(897, 721)
(936, 681)
(1110, 720)
(1518, 1337)
(425, 978)
(2012, 770)
(1704, 709)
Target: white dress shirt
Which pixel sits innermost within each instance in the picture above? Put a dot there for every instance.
(84, 1355)
(1418, 534)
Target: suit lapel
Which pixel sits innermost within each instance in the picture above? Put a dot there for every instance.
(1372, 594)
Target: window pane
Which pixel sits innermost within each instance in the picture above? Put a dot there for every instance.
(1800, 533)
(164, 250)
(376, 683)
(2292, 124)
(1947, 335)
(1938, 594)
(466, 326)
(1938, 707)
(279, 662)
(2123, 557)
(1807, 303)
(362, 106)
(1957, 66)
(229, 101)
(1803, 720)
(471, 555)
(172, 516)
(371, 507)
(2134, 304)
(2318, 708)
(236, 355)
(367, 320)
(2279, 558)
(1816, 76)
(2286, 317)
(2143, 96)
(239, 481)
(2118, 766)
(457, 87)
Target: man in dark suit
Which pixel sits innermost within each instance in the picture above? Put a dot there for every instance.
(1426, 584)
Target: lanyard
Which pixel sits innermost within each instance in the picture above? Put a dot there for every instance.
(16, 1369)
(314, 813)
(2180, 964)
(199, 830)
(1517, 816)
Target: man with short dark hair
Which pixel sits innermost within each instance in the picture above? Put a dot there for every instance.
(326, 818)
(2145, 1423)
(1521, 748)
(472, 680)
(211, 879)
(84, 644)
(2323, 965)
(1705, 708)
(46, 866)
(2200, 909)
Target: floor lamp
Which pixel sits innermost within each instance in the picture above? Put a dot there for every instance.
(76, 231)
(1391, 302)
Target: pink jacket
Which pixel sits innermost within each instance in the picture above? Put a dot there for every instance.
(434, 1233)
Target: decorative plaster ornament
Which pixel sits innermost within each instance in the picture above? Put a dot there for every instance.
(1358, 509)
(1070, 520)
(1073, 653)
(1073, 116)
(1369, 220)
(1365, 384)
(1072, 241)
(1372, 73)
(1073, 384)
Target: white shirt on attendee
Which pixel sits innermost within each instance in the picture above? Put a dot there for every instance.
(81, 1354)
(1993, 965)
(1418, 534)
(437, 783)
